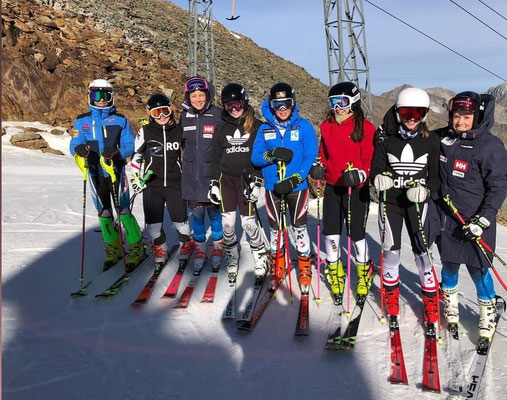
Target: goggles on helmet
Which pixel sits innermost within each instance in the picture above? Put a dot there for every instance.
(160, 112)
(415, 113)
(462, 104)
(97, 94)
(233, 105)
(342, 101)
(196, 84)
(282, 104)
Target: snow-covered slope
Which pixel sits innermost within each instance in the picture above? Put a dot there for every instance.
(58, 347)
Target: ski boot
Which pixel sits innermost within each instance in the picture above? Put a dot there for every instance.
(186, 250)
(392, 301)
(160, 255)
(487, 314)
(430, 308)
(217, 255)
(277, 269)
(113, 254)
(364, 278)
(305, 272)
(260, 263)
(336, 278)
(451, 311)
(135, 256)
(199, 257)
(231, 255)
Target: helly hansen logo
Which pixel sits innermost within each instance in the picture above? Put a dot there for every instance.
(461, 165)
(208, 129)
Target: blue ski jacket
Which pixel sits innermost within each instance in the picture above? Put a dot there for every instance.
(299, 136)
(101, 128)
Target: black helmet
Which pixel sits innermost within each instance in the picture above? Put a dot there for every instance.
(158, 100)
(468, 102)
(282, 91)
(349, 93)
(234, 91)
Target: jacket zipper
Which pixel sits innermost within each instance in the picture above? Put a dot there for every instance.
(165, 154)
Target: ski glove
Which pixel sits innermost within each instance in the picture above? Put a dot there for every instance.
(383, 181)
(285, 186)
(279, 153)
(110, 153)
(475, 227)
(137, 183)
(353, 177)
(253, 190)
(214, 192)
(317, 171)
(418, 193)
(82, 150)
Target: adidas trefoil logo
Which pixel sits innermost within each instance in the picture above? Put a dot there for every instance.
(406, 165)
(237, 139)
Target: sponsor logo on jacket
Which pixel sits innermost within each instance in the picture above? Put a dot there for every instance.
(237, 149)
(85, 127)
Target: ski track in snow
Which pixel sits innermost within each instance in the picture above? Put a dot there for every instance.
(58, 347)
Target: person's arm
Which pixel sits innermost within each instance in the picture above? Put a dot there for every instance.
(78, 139)
(139, 146)
(367, 148)
(310, 150)
(433, 182)
(126, 141)
(217, 152)
(258, 150)
(379, 161)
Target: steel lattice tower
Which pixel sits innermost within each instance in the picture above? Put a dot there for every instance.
(200, 39)
(347, 57)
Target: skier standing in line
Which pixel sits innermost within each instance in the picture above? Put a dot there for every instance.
(473, 172)
(200, 120)
(230, 160)
(287, 138)
(158, 148)
(346, 139)
(104, 132)
(405, 166)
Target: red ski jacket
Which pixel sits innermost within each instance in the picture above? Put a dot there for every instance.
(337, 149)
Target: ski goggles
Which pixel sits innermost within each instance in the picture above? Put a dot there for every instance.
(194, 84)
(233, 105)
(101, 94)
(342, 101)
(462, 104)
(409, 113)
(160, 112)
(282, 104)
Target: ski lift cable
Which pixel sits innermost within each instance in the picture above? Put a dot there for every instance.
(492, 9)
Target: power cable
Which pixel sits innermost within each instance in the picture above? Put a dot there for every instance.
(492, 9)
(436, 41)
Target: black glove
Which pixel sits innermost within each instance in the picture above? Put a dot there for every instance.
(82, 150)
(110, 153)
(353, 177)
(279, 153)
(288, 184)
(475, 227)
(317, 171)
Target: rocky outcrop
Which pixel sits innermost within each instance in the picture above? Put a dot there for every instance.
(31, 140)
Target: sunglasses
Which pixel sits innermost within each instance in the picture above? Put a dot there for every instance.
(463, 104)
(101, 94)
(160, 112)
(196, 84)
(415, 113)
(282, 104)
(342, 101)
(233, 105)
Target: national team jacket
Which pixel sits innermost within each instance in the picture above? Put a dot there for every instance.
(299, 136)
(158, 148)
(101, 128)
(337, 149)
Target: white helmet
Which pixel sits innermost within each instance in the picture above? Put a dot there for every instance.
(100, 88)
(413, 97)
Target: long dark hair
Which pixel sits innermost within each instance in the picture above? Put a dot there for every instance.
(358, 133)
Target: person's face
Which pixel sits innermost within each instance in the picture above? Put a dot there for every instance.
(283, 115)
(341, 111)
(163, 119)
(100, 103)
(411, 124)
(198, 99)
(462, 121)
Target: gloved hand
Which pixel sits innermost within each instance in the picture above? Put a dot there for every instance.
(279, 153)
(285, 186)
(110, 153)
(475, 227)
(317, 171)
(214, 192)
(353, 177)
(82, 150)
(383, 181)
(137, 183)
(417, 193)
(253, 190)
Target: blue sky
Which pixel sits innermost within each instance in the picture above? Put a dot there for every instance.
(294, 29)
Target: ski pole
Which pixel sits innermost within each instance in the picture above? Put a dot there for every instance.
(246, 185)
(318, 300)
(480, 243)
(281, 176)
(382, 240)
(349, 195)
(143, 182)
(82, 164)
(109, 168)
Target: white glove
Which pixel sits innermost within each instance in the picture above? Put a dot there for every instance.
(214, 192)
(417, 193)
(137, 184)
(383, 182)
(254, 190)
